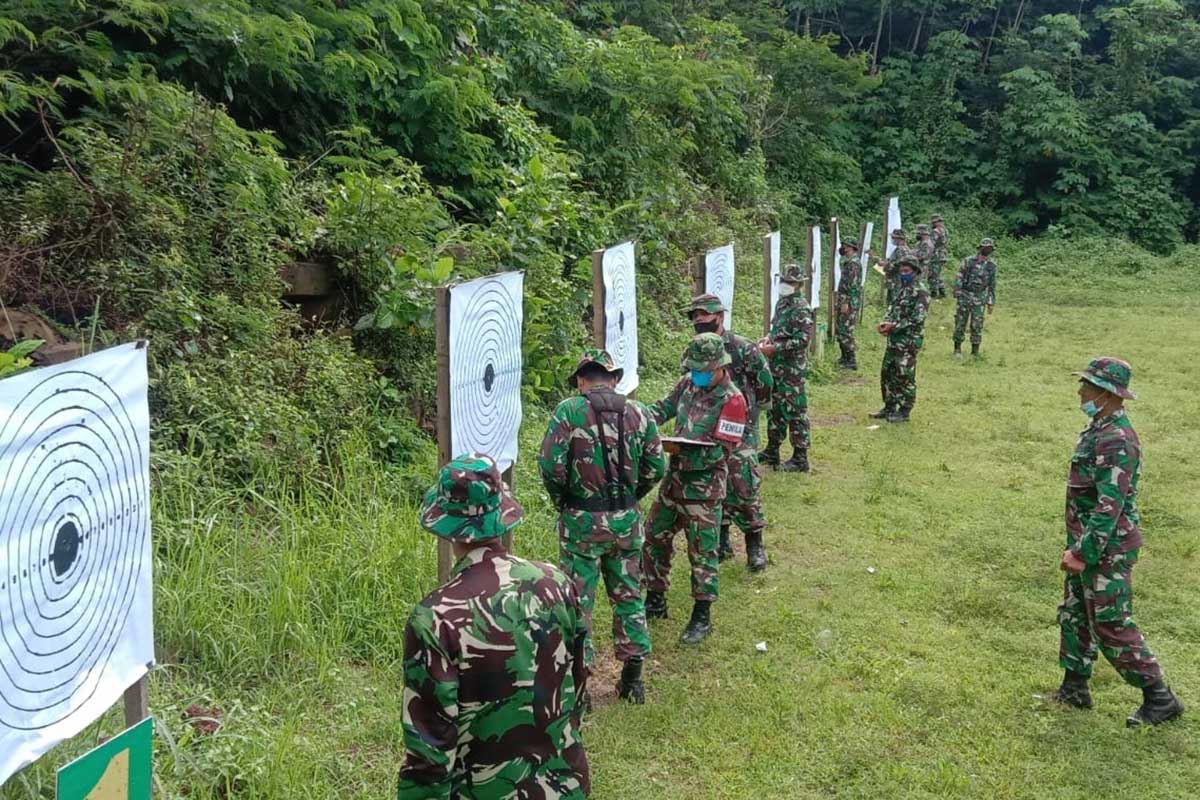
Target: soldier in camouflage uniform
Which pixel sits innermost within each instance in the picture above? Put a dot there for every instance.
(751, 375)
(849, 301)
(707, 407)
(891, 265)
(493, 659)
(1103, 541)
(787, 348)
(924, 250)
(904, 325)
(974, 287)
(941, 254)
(600, 456)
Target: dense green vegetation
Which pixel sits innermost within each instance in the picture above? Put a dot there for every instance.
(161, 160)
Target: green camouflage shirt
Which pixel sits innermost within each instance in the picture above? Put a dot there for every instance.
(976, 280)
(577, 474)
(925, 253)
(908, 311)
(941, 245)
(752, 376)
(714, 414)
(791, 331)
(493, 667)
(1102, 514)
(849, 288)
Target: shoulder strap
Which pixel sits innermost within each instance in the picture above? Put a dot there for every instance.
(606, 401)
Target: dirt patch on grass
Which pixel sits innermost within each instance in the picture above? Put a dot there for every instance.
(830, 420)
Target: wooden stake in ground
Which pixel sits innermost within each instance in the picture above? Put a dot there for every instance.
(441, 322)
(835, 239)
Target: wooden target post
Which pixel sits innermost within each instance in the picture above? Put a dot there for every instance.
(834, 236)
(599, 322)
(698, 276)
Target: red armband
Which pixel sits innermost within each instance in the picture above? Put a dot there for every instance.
(731, 425)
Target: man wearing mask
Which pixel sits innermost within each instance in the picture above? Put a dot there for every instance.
(941, 254)
(891, 265)
(974, 287)
(849, 300)
(710, 411)
(904, 327)
(787, 348)
(1103, 542)
(751, 375)
(601, 455)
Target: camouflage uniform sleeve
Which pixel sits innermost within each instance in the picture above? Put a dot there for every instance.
(653, 464)
(553, 462)
(579, 669)
(854, 289)
(1111, 472)
(794, 337)
(991, 292)
(760, 374)
(668, 407)
(430, 713)
(958, 279)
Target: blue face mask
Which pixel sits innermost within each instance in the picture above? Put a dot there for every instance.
(906, 279)
(1090, 408)
(701, 379)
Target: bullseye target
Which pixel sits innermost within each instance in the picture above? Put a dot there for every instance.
(620, 312)
(75, 591)
(719, 276)
(485, 366)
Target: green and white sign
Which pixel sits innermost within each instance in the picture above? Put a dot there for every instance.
(119, 769)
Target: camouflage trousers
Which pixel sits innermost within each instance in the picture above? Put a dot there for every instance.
(789, 415)
(619, 562)
(968, 309)
(935, 277)
(701, 521)
(898, 376)
(1097, 613)
(844, 331)
(743, 503)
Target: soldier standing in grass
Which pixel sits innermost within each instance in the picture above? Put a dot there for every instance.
(493, 659)
(904, 327)
(891, 265)
(849, 300)
(941, 254)
(787, 348)
(1103, 540)
(975, 288)
(925, 252)
(708, 408)
(600, 456)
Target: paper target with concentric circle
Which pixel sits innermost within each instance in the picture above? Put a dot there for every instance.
(620, 312)
(485, 366)
(718, 278)
(814, 267)
(75, 586)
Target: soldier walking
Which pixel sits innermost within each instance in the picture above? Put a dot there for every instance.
(1103, 541)
(751, 375)
(904, 327)
(787, 348)
(941, 254)
(974, 287)
(849, 301)
(600, 456)
(493, 659)
(708, 408)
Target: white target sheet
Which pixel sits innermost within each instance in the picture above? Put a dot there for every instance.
(893, 222)
(865, 253)
(718, 278)
(836, 260)
(815, 266)
(485, 366)
(776, 241)
(76, 625)
(620, 312)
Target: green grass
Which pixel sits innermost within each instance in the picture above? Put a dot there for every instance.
(919, 680)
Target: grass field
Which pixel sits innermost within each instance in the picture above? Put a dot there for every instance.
(919, 679)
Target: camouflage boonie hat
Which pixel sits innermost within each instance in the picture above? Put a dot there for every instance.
(899, 233)
(469, 502)
(922, 229)
(601, 358)
(793, 274)
(987, 242)
(910, 261)
(850, 241)
(1110, 374)
(935, 218)
(707, 303)
(705, 353)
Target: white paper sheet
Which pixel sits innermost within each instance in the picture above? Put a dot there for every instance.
(815, 267)
(865, 251)
(893, 222)
(719, 277)
(485, 366)
(76, 623)
(776, 244)
(620, 312)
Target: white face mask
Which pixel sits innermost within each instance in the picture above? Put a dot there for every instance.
(786, 290)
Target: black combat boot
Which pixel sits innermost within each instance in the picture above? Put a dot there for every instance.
(770, 455)
(724, 549)
(700, 623)
(852, 362)
(1074, 691)
(899, 415)
(882, 413)
(974, 349)
(656, 605)
(1159, 705)
(630, 686)
(797, 463)
(756, 554)
(958, 349)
